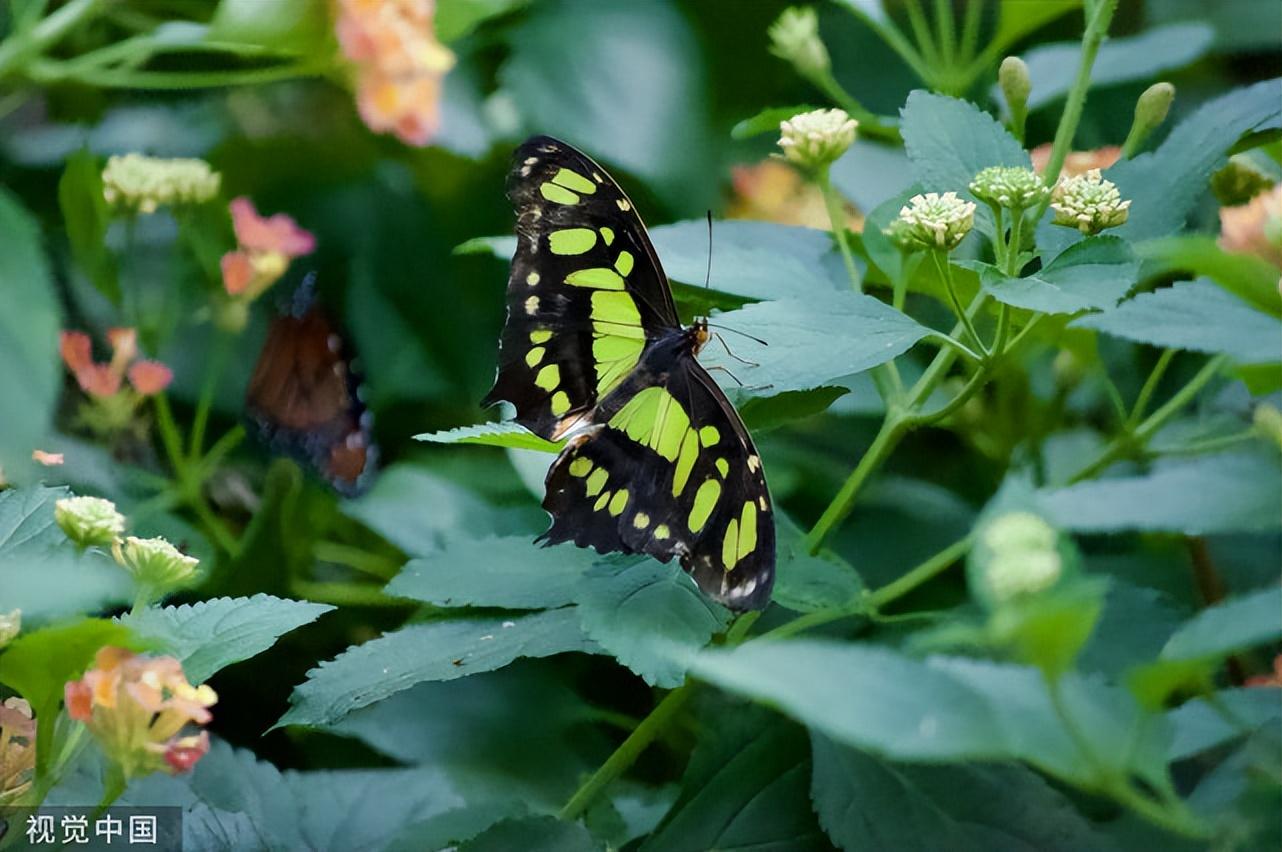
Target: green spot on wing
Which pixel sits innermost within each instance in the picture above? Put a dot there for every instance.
(572, 241)
(575, 181)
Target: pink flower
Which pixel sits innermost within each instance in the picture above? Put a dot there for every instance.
(47, 459)
(102, 381)
(399, 64)
(150, 377)
(138, 708)
(266, 246)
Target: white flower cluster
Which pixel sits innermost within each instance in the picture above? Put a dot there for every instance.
(1088, 203)
(817, 138)
(933, 221)
(144, 184)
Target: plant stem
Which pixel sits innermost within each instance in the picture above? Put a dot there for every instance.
(945, 26)
(359, 558)
(1150, 386)
(940, 257)
(1098, 18)
(628, 752)
(170, 437)
(888, 437)
(213, 372)
(870, 124)
(894, 39)
(970, 31)
(956, 344)
(16, 50)
(925, 44)
(837, 216)
(920, 575)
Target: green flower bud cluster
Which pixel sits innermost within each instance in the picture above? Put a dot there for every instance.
(933, 221)
(1011, 187)
(144, 184)
(154, 563)
(1088, 203)
(89, 521)
(1023, 556)
(815, 139)
(794, 37)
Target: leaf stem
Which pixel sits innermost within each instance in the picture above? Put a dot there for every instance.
(870, 124)
(888, 437)
(213, 373)
(923, 573)
(895, 40)
(837, 216)
(961, 348)
(940, 257)
(18, 49)
(1150, 386)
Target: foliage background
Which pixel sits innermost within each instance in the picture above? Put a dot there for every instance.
(653, 90)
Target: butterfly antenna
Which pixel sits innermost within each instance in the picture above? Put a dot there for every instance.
(741, 333)
(707, 275)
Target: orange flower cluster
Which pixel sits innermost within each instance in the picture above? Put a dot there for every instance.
(772, 191)
(17, 750)
(266, 245)
(105, 380)
(399, 64)
(1077, 162)
(1254, 228)
(137, 708)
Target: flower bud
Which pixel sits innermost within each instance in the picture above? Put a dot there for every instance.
(933, 221)
(1015, 84)
(815, 139)
(1088, 203)
(17, 750)
(1011, 187)
(10, 626)
(1150, 112)
(138, 708)
(144, 184)
(89, 521)
(1023, 556)
(155, 564)
(794, 37)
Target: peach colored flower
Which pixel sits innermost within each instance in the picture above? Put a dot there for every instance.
(399, 64)
(1255, 227)
(150, 377)
(105, 380)
(139, 709)
(1077, 162)
(47, 459)
(266, 246)
(17, 750)
(772, 191)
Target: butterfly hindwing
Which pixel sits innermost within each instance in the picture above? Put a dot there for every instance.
(586, 291)
(671, 471)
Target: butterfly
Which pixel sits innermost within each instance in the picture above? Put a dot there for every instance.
(305, 397)
(656, 458)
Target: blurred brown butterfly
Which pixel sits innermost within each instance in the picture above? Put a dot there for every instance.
(305, 397)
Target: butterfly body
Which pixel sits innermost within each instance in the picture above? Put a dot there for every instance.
(657, 460)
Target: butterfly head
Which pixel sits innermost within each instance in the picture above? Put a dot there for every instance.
(699, 333)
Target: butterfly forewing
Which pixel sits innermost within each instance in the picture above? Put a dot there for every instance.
(585, 294)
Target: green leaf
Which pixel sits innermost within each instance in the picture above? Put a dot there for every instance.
(767, 121)
(457, 18)
(536, 834)
(41, 572)
(1196, 315)
(871, 172)
(814, 341)
(1095, 273)
(1227, 492)
(85, 216)
(625, 81)
(762, 414)
(287, 26)
(511, 572)
(864, 802)
(745, 788)
(1136, 622)
(805, 583)
(1206, 723)
(1250, 278)
(949, 141)
(1053, 67)
(37, 665)
(30, 375)
(1165, 184)
(210, 635)
(1019, 18)
(1230, 626)
(510, 435)
(518, 733)
(434, 651)
(648, 615)
(415, 508)
(1240, 25)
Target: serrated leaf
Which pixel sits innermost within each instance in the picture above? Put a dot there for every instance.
(813, 342)
(37, 665)
(210, 635)
(1053, 67)
(41, 572)
(30, 373)
(805, 583)
(949, 141)
(1196, 315)
(649, 615)
(1252, 279)
(510, 571)
(864, 802)
(762, 414)
(434, 651)
(1230, 626)
(509, 435)
(1095, 273)
(1227, 492)
(536, 834)
(745, 788)
(1200, 725)
(871, 172)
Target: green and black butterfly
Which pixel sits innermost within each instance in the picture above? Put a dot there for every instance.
(657, 460)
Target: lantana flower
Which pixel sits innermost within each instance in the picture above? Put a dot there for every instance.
(771, 191)
(17, 750)
(1077, 162)
(815, 139)
(1254, 228)
(1023, 555)
(154, 563)
(144, 184)
(1089, 203)
(142, 711)
(265, 247)
(399, 64)
(933, 221)
(794, 37)
(111, 405)
(89, 521)
(1011, 187)
(46, 458)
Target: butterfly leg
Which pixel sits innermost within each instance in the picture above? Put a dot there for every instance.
(729, 352)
